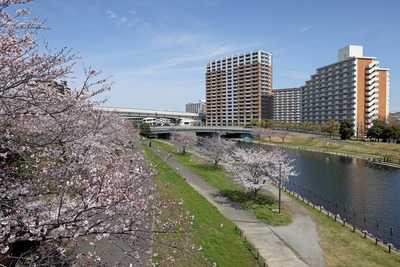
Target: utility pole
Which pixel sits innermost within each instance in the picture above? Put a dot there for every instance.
(280, 185)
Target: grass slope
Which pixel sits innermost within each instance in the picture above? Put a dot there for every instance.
(216, 235)
(351, 147)
(342, 247)
(263, 208)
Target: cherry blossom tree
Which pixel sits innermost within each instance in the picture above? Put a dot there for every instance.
(269, 133)
(257, 132)
(255, 168)
(217, 148)
(69, 175)
(282, 134)
(184, 141)
(260, 132)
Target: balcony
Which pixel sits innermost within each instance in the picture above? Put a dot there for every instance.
(373, 64)
(372, 97)
(371, 109)
(372, 92)
(371, 87)
(369, 120)
(371, 75)
(370, 103)
(371, 81)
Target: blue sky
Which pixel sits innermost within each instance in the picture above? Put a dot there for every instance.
(156, 51)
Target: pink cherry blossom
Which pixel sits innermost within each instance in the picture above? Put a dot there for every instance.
(65, 169)
(256, 168)
(184, 141)
(217, 148)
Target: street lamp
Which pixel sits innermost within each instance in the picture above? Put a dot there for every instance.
(280, 185)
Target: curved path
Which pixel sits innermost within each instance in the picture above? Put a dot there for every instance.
(301, 234)
(295, 245)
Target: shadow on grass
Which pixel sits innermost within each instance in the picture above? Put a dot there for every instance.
(242, 197)
(209, 166)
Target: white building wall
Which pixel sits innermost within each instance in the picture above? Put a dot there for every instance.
(331, 93)
(286, 105)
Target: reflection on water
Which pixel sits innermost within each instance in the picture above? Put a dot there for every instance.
(362, 192)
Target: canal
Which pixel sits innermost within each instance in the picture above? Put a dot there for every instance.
(364, 193)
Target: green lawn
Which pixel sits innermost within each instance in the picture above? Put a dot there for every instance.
(220, 242)
(351, 147)
(341, 246)
(263, 208)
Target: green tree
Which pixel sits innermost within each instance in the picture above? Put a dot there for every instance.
(270, 124)
(255, 123)
(306, 125)
(285, 125)
(263, 124)
(392, 132)
(296, 126)
(346, 129)
(316, 129)
(395, 132)
(144, 129)
(331, 127)
(377, 130)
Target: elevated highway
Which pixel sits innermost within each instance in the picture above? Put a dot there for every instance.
(166, 131)
(130, 113)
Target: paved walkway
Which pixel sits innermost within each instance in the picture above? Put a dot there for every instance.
(294, 245)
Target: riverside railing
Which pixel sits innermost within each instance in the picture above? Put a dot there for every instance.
(345, 223)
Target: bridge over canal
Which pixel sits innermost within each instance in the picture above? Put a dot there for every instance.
(220, 131)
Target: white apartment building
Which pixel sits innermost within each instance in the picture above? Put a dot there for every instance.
(354, 88)
(199, 107)
(235, 87)
(156, 121)
(286, 104)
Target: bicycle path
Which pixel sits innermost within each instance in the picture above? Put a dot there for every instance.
(278, 246)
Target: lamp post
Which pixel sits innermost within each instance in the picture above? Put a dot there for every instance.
(280, 185)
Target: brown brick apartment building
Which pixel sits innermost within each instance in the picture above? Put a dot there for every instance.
(236, 87)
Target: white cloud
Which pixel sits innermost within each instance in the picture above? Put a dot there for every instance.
(192, 62)
(199, 46)
(174, 39)
(306, 28)
(123, 20)
(133, 23)
(111, 14)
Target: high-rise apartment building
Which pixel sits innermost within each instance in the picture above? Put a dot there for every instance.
(198, 107)
(236, 87)
(354, 88)
(286, 104)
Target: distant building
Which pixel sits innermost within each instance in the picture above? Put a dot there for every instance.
(156, 121)
(198, 107)
(188, 122)
(286, 104)
(354, 88)
(267, 112)
(236, 88)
